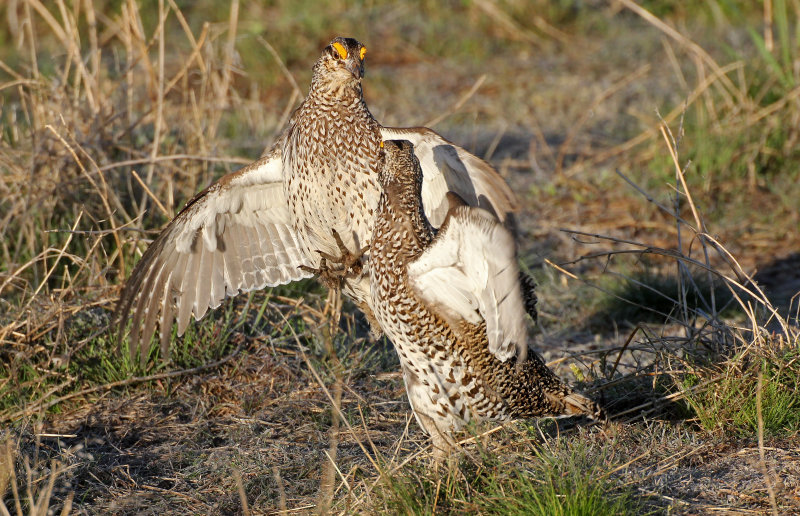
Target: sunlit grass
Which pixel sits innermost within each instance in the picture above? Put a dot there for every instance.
(560, 478)
(728, 404)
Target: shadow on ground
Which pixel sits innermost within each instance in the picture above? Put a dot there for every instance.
(780, 279)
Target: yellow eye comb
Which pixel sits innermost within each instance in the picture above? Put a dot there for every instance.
(363, 52)
(340, 49)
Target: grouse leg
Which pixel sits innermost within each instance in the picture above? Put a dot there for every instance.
(348, 264)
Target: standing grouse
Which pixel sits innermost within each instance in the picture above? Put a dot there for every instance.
(452, 305)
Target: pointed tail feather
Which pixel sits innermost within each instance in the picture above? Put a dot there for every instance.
(576, 404)
(528, 285)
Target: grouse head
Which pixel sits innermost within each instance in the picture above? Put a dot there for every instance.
(341, 64)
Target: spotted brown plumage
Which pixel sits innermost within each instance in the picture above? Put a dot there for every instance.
(264, 225)
(452, 304)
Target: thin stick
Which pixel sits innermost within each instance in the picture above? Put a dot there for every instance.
(188, 31)
(175, 157)
(590, 110)
(103, 193)
(58, 258)
(665, 399)
(759, 388)
(69, 44)
(769, 44)
(652, 200)
(159, 96)
(645, 249)
(29, 32)
(91, 20)
(223, 89)
(652, 131)
(151, 194)
(328, 474)
(230, 48)
(560, 269)
(622, 350)
(520, 33)
(237, 476)
(464, 98)
(195, 55)
(339, 471)
(679, 173)
(625, 465)
(281, 65)
(683, 40)
(276, 474)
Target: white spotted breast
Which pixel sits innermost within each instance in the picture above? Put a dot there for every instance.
(332, 155)
(450, 391)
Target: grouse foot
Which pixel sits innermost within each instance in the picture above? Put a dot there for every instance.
(348, 264)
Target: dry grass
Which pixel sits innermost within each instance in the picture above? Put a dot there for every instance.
(112, 118)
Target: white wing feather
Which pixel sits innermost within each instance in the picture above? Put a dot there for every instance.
(446, 167)
(469, 272)
(233, 237)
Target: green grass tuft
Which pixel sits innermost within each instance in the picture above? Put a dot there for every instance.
(728, 403)
(566, 482)
(561, 479)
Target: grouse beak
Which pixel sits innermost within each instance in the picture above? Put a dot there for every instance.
(355, 67)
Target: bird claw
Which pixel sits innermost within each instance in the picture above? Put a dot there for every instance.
(328, 276)
(349, 264)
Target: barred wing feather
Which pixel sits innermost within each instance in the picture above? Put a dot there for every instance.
(233, 237)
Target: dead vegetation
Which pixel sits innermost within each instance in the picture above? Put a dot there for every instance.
(112, 117)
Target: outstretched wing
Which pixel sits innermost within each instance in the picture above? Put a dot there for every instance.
(233, 237)
(469, 272)
(446, 167)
